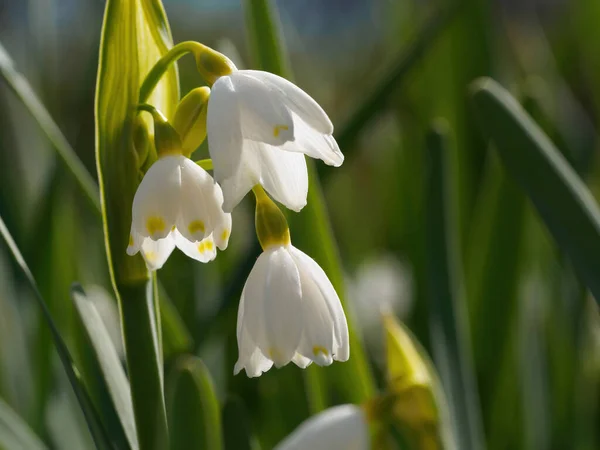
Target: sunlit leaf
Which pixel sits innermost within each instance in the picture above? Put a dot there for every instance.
(109, 362)
(135, 35)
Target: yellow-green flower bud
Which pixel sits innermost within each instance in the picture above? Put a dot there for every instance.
(271, 225)
(211, 64)
(190, 118)
(166, 139)
(414, 400)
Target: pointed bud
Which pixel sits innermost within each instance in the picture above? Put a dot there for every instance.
(190, 118)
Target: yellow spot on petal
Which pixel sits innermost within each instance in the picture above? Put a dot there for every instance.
(130, 240)
(202, 247)
(318, 349)
(225, 235)
(274, 353)
(278, 128)
(173, 228)
(196, 226)
(210, 246)
(155, 224)
(151, 256)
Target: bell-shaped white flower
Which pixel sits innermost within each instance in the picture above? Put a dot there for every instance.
(178, 204)
(342, 427)
(289, 311)
(259, 128)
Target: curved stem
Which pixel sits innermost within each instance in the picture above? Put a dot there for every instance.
(163, 64)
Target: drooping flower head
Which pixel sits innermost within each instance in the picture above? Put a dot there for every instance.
(177, 204)
(259, 128)
(289, 310)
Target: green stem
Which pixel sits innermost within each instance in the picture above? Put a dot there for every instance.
(144, 362)
(163, 64)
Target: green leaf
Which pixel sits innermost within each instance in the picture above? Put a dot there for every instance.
(449, 323)
(109, 362)
(15, 434)
(559, 195)
(98, 433)
(236, 426)
(135, 35)
(22, 89)
(351, 381)
(194, 411)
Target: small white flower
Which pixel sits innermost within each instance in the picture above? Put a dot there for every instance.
(342, 427)
(289, 311)
(178, 204)
(252, 117)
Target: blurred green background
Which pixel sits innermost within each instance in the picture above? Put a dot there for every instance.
(384, 71)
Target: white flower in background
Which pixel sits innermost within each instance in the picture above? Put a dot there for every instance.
(259, 128)
(178, 204)
(289, 311)
(342, 427)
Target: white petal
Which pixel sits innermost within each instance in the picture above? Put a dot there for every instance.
(156, 202)
(203, 251)
(341, 427)
(301, 361)
(251, 315)
(156, 253)
(283, 174)
(247, 175)
(222, 232)
(200, 200)
(314, 144)
(223, 126)
(264, 117)
(135, 242)
(282, 307)
(297, 100)
(316, 285)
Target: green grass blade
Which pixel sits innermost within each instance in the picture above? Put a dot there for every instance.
(15, 434)
(268, 48)
(351, 381)
(194, 411)
(109, 362)
(20, 86)
(559, 195)
(96, 428)
(449, 323)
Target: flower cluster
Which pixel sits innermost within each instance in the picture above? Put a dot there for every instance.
(259, 128)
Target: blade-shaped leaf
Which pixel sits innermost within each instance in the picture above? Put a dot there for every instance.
(194, 412)
(109, 362)
(23, 90)
(559, 195)
(449, 322)
(96, 429)
(15, 434)
(135, 35)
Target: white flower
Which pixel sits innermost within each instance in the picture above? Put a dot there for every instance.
(289, 311)
(252, 117)
(342, 427)
(178, 204)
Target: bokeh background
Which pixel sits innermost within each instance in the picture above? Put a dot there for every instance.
(533, 331)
